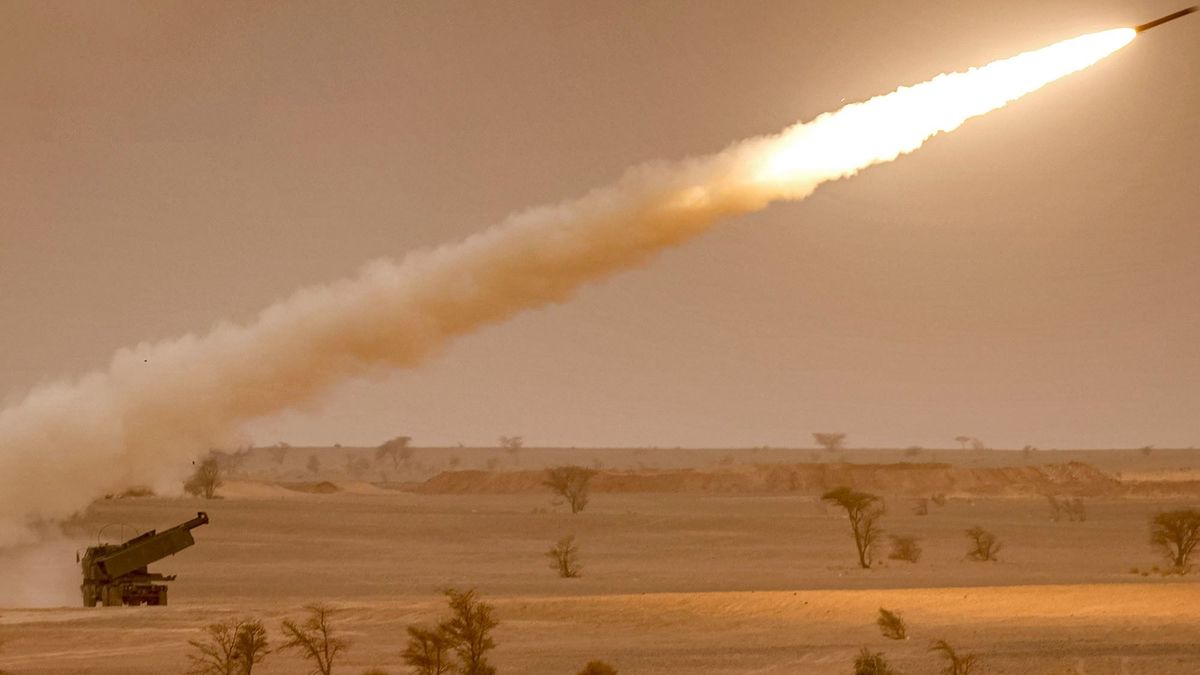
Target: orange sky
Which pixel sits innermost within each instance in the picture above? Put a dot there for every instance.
(1030, 278)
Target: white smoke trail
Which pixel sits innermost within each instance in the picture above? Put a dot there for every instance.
(158, 406)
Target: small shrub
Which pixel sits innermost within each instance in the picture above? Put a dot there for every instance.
(598, 668)
(868, 663)
(564, 557)
(1077, 510)
(984, 546)
(939, 499)
(205, 479)
(905, 548)
(136, 492)
(891, 625)
(921, 507)
(956, 664)
(1072, 509)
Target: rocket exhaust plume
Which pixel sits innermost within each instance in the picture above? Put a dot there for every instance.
(159, 406)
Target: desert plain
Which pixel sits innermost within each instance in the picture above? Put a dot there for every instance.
(693, 561)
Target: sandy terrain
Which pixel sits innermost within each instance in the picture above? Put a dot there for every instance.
(673, 582)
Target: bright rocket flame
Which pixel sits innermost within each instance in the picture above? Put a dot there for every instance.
(156, 407)
(885, 127)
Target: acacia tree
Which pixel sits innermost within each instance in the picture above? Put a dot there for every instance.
(564, 557)
(1176, 534)
(830, 441)
(963, 440)
(572, 483)
(428, 651)
(357, 466)
(397, 449)
(470, 630)
(205, 479)
(315, 638)
(864, 510)
(229, 648)
(250, 642)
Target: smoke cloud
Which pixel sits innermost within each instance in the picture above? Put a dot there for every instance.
(159, 406)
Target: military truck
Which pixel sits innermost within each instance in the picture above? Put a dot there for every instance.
(116, 574)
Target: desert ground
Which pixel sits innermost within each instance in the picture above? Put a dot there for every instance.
(694, 561)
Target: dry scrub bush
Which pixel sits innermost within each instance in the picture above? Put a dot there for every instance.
(956, 664)
(1073, 509)
(513, 445)
(314, 638)
(564, 557)
(905, 548)
(135, 492)
(571, 483)
(598, 668)
(428, 651)
(864, 511)
(1176, 534)
(891, 625)
(867, 663)
(229, 648)
(984, 546)
(939, 499)
(921, 507)
(205, 480)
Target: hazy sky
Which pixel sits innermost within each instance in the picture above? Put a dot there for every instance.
(1031, 278)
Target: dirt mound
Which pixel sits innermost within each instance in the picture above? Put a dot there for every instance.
(1073, 478)
(322, 488)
